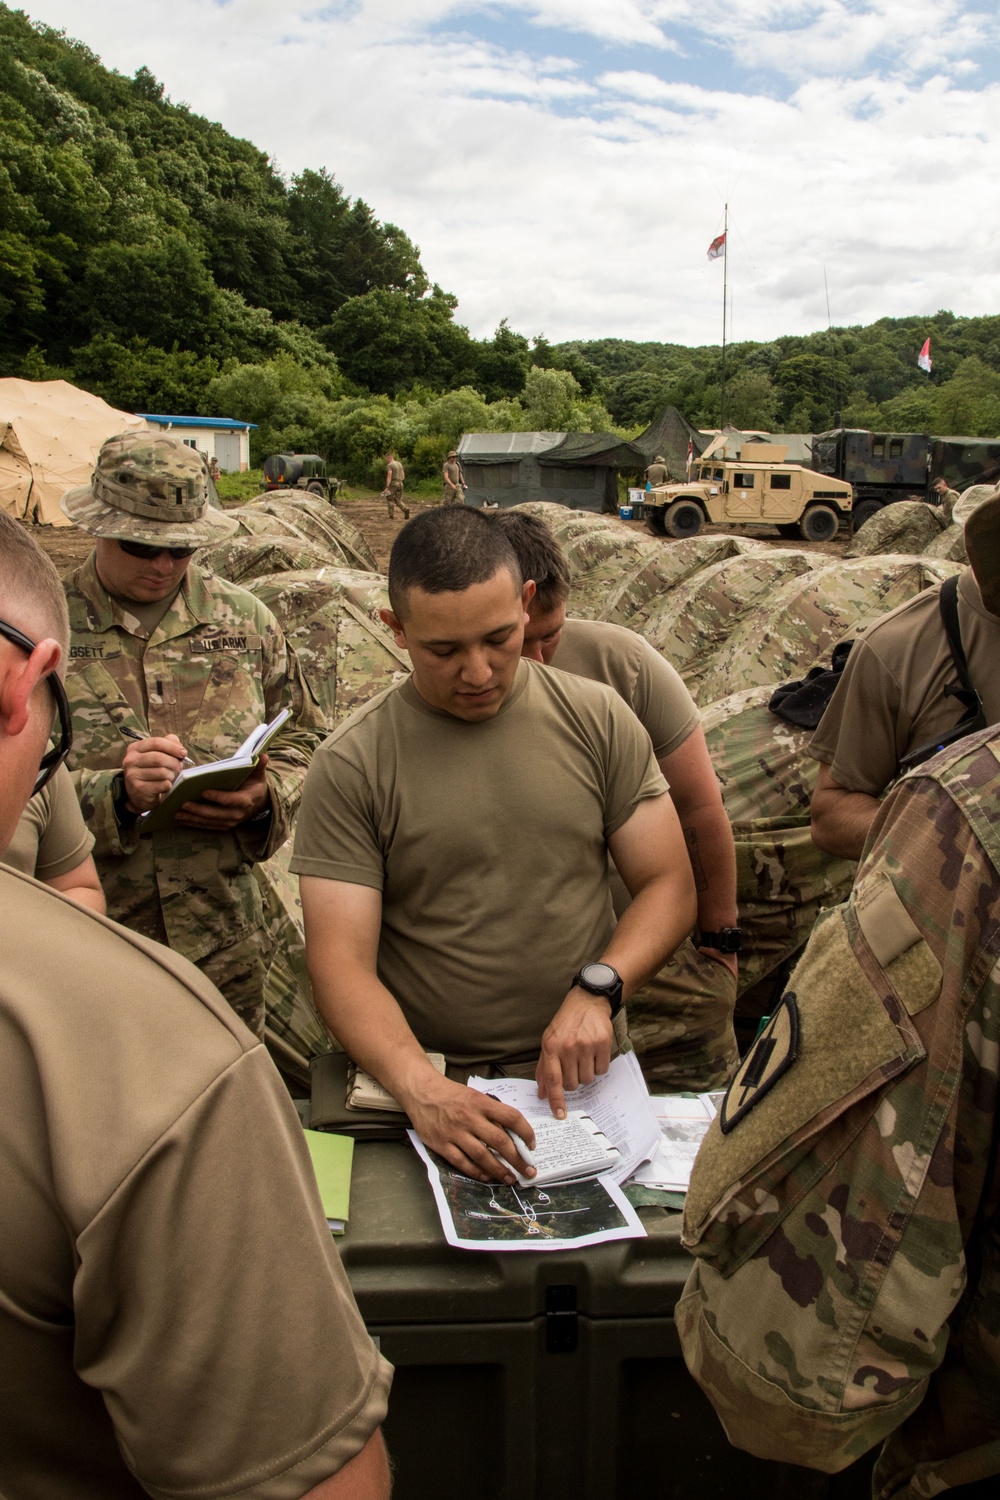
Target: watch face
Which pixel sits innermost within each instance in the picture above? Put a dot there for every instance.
(601, 976)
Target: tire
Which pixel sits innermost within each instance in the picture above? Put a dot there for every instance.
(654, 520)
(819, 523)
(788, 529)
(864, 512)
(684, 518)
(315, 488)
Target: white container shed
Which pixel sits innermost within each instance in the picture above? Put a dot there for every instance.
(221, 438)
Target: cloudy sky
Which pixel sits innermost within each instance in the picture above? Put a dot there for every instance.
(564, 163)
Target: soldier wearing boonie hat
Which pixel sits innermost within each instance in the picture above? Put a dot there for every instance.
(657, 473)
(454, 480)
(147, 487)
(170, 663)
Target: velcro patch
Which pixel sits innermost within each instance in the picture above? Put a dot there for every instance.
(204, 645)
(771, 1055)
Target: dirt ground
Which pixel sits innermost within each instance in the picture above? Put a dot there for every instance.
(68, 547)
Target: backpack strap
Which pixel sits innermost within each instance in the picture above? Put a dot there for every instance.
(974, 718)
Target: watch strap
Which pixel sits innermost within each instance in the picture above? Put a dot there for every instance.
(611, 992)
(726, 940)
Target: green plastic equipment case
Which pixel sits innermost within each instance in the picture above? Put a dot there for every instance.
(540, 1376)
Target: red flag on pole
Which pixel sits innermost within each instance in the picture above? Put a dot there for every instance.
(690, 457)
(717, 247)
(924, 357)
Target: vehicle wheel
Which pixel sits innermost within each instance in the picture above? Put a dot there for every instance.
(683, 518)
(864, 512)
(819, 524)
(315, 488)
(789, 529)
(654, 520)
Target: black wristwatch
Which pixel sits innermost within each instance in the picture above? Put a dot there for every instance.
(602, 979)
(726, 940)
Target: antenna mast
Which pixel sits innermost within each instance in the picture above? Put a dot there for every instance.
(725, 282)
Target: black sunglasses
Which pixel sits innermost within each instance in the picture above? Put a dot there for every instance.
(52, 759)
(139, 549)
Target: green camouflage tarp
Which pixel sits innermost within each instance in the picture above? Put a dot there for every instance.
(320, 522)
(783, 880)
(906, 526)
(598, 560)
(949, 544)
(244, 557)
(805, 618)
(698, 616)
(330, 616)
(291, 1023)
(640, 593)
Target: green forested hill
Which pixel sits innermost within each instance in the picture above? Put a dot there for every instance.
(151, 257)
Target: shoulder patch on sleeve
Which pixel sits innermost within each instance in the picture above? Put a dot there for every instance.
(771, 1055)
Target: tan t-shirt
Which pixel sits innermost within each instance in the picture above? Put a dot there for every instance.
(51, 838)
(489, 844)
(651, 687)
(891, 699)
(658, 474)
(395, 471)
(169, 1290)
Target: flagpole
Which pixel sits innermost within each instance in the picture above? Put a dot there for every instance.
(725, 278)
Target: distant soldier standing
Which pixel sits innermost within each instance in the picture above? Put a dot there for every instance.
(658, 473)
(168, 662)
(393, 492)
(454, 480)
(947, 498)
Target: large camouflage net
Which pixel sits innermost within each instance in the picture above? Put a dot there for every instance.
(735, 616)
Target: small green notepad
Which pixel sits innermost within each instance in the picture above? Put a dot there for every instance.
(332, 1156)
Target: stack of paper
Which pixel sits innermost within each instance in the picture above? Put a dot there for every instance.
(332, 1158)
(682, 1121)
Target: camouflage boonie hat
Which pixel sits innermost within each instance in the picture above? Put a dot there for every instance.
(149, 488)
(659, 459)
(452, 452)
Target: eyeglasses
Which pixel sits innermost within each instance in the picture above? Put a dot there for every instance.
(139, 549)
(52, 759)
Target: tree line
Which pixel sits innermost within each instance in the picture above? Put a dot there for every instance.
(154, 259)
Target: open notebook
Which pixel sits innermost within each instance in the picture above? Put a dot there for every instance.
(568, 1149)
(216, 775)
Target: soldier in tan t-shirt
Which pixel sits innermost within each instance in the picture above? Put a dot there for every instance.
(393, 492)
(454, 480)
(891, 698)
(174, 1318)
(53, 843)
(658, 473)
(681, 1022)
(453, 849)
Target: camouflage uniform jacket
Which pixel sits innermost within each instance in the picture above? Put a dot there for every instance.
(848, 1223)
(215, 667)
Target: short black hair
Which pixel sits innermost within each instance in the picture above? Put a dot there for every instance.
(538, 553)
(445, 551)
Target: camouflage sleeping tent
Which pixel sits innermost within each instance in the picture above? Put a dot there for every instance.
(577, 469)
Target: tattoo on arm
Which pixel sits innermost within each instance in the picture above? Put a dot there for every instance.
(697, 868)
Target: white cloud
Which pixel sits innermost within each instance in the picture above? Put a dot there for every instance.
(583, 206)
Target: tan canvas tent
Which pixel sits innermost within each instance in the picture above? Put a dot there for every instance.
(50, 434)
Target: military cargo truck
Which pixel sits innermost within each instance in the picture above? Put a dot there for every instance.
(888, 466)
(300, 471)
(760, 488)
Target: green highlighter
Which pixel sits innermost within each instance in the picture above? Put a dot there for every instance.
(332, 1156)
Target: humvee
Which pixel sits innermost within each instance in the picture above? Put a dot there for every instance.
(758, 487)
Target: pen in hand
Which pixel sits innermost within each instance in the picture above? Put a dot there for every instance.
(133, 734)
